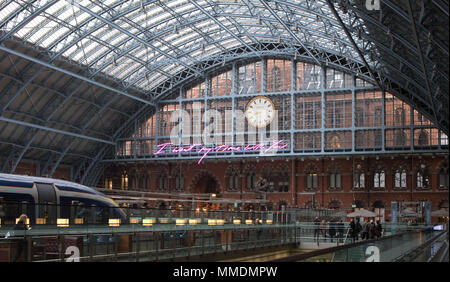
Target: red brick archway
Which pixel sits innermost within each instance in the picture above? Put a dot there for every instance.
(205, 183)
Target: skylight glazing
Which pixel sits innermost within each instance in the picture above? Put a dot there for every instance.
(131, 40)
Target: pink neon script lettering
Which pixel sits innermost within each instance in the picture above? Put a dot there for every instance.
(204, 155)
(163, 146)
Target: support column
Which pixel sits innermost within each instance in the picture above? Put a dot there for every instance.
(324, 112)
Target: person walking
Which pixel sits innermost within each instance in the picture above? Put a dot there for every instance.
(323, 230)
(365, 230)
(21, 245)
(341, 228)
(372, 230)
(358, 228)
(332, 230)
(316, 229)
(378, 230)
(352, 230)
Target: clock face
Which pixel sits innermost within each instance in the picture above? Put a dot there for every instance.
(260, 111)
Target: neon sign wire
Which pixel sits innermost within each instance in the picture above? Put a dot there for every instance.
(167, 148)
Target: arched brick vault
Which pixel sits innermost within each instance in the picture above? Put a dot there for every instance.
(201, 174)
(311, 167)
(378, 200)
(249, 168)
(341, 204)
(283, 168)
(232, 169)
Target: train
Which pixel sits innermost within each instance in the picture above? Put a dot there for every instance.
(49, 199)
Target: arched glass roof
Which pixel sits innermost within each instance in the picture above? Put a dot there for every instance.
(144, 42)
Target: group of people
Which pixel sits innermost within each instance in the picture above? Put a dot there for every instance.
(336, 230)
(368, 230)
(333, 229)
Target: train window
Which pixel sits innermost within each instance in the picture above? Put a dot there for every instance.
(11, 210)
(46, 193)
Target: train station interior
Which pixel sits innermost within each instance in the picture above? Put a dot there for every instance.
(224, 131)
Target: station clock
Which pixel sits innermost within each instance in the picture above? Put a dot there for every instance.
(260, 111)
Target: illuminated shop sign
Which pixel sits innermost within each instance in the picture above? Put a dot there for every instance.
(204, 150)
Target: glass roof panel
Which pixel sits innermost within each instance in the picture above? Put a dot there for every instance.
(64, 22)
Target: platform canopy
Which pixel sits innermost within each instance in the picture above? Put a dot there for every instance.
(408, 212)
(75, 73)
(440, 213)
(362, 213)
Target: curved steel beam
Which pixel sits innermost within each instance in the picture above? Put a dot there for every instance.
(50, 66)
(27, 124)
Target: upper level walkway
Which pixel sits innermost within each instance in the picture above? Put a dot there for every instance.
(208, 239)
(420, 245)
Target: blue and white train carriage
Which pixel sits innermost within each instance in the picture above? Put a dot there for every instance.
(41, 197)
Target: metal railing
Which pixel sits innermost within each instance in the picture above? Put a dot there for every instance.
(385, 249)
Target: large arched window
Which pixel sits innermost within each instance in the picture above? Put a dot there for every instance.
(276, 79)
(250, 176)
(359, 117)
(335, 142)
(400, 138)
(311, 178)
(163, 182)
(335, 178)
(379, 178)
(179, 182)
(283, 179)
(443, 176)
(268, 175)
(399, 116)
(423, 181)
(232, 178)
(400, 178)
(359, 177)
(423, 138)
